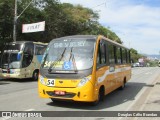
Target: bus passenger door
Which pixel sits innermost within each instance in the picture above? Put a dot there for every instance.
(27, 60)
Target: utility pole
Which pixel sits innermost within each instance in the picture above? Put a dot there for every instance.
(15, 22)
(16, 18)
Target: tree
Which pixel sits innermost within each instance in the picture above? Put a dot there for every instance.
(32, 14)
(6, 21)
(61, 20)
(135, 55)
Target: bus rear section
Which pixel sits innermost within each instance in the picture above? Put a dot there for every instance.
(76, 68)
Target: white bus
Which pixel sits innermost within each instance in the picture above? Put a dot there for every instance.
(21, 59)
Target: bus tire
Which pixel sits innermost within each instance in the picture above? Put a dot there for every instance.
(35, 75)
(100, 96)
(123, 85)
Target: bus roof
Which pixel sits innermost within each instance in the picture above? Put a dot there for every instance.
(91, 37)
(113, 42)
(76, 36)
(21, 42)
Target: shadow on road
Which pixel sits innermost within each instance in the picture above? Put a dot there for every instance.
(115, 98)
(16, 80)
(4, 83)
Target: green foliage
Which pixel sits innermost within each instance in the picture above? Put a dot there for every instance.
(61, 20)
(153, 63)
(6, 20)
(135, 55)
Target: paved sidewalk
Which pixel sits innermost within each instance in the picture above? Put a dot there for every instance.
(149, 103)
(153, 100)
(152, 103)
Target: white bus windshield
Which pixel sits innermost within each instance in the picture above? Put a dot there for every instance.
(11, 56)
(69, 54)
(11, 61)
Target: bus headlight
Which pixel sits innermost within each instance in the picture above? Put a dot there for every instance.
(16, 72)
(83, 81)
(41, 78)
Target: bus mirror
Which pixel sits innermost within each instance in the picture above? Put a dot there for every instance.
(111, 69)
(19, 56)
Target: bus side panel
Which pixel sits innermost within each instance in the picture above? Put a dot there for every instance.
(106, 78)
(27, 72)
(112, 80)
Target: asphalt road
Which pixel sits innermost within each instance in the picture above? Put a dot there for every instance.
(22, 95)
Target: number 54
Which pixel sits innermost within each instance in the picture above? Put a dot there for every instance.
(50, 82)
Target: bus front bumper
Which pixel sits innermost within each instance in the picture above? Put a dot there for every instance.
(6, 75)
(84, 94)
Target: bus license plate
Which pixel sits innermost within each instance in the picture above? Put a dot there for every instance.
(59, 92)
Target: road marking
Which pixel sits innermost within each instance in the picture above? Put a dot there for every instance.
(148, 73)
(134, 101)
(30, 110)
(5, 118)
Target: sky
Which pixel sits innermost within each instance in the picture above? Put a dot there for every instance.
(136, 22)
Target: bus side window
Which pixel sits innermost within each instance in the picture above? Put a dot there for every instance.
(28, 54)
(111, 54)
(128, 56)
(101, 56)
(124, 57)
(40, 49)
(118, 55)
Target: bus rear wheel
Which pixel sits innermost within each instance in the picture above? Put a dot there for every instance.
(123, 85)
(35, 75)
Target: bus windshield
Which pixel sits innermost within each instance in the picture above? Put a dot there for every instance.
(69, 55)
(13, 47)
(11, 60)
(11, 56)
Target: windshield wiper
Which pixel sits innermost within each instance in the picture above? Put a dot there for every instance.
(44, 59)
(73, 60)
(56, 61)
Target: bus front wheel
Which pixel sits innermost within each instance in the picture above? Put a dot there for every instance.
(100, 96)
(35, 75)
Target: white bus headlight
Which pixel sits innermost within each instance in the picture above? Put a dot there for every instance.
(41, 78)
(16, 72)
(83, 81)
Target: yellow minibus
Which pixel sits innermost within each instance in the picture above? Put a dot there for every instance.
(83, 68)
